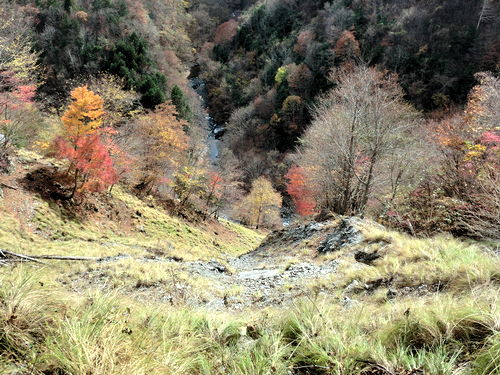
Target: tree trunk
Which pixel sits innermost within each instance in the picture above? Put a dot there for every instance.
(349, 167)
(75, 184)
(367, 187)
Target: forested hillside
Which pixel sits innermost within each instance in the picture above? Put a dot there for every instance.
(249, 187)
(115, 79)
(275, 72)
(281, 49)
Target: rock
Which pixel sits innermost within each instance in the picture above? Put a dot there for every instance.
(375, 284)
(211, 268)
(366, 258)
(216, 266)
(352, 286)
(345, 234)
(349, 303)
(259, 274)
(291, 234)
(391, 293)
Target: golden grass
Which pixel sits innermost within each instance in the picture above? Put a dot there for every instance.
(50, 231)
(49, 330)
(119, 330)
(439, 260)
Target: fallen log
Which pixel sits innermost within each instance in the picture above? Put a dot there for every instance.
(7, 186)
(65, 257)
(5, 255)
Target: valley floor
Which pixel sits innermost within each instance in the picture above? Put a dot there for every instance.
(163, 295)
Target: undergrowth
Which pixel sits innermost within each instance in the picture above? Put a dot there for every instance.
(45, 330)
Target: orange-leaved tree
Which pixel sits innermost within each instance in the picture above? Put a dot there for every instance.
(461, 194)
(85, 145)
(301, 194)
(469, 142)
(161, 145)
(84, 114)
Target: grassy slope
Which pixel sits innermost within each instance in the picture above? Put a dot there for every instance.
(51, 326)
(45, 329)
(121, 224)
(50, 232)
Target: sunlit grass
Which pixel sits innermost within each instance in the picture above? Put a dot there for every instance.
(51, 231)
(441, 260)
(47, 329)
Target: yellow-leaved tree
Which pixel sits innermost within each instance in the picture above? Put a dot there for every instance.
(160, 143)
(261, 207)
(84, 114)
(120, 105)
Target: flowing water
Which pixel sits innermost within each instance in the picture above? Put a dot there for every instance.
(215, 130)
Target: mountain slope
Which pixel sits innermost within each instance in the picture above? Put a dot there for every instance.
(342, 296)
(119, 223)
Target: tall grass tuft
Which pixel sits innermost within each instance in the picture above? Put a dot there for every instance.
(26, 311)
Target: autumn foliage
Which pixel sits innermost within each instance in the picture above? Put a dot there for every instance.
(15, 98)
(304, 40)
(225, 32)
(462, 195)
(84, 114)
(302, 196)
(90, 161)
(214, 194)
(161, 145)
(261, 207)
(347, 46)
(85, 145)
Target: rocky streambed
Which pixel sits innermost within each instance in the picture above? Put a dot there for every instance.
(289, 263)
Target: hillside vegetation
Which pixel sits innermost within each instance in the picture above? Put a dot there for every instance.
(110, 225)
(249, 187)
(145, 306)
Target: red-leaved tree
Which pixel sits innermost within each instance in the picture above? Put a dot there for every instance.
(86, 146)
(16, 109)
(90, 163)
(301, 195)
(226, 32)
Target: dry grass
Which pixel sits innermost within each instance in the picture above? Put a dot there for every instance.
(441, 260)
(51, 232)
(119, 317)
(46, 330)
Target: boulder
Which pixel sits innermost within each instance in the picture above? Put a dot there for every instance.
(366, 258)
(291, 235)
(345, 234)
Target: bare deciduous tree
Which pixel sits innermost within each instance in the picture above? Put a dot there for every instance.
(487, 12)
(358, 129)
